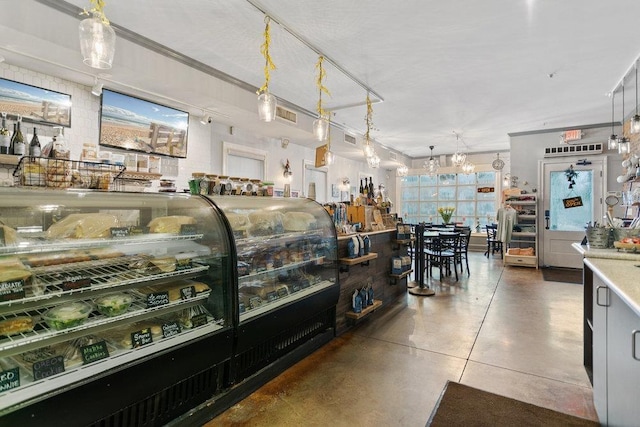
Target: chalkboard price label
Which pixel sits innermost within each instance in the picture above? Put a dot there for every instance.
(75, 281)
(188, 292)
(272, 296)
(283, 292)
(199, 320)
(13, 289)
(48, 367)
(295, 287)
(255, 302)
(9, 379)
(157, 299)
(183, 263)
(242, 307)
(188, 229)
(170, 329)
(94, 352)
(141, 337)
(137, 230)
(118, 232)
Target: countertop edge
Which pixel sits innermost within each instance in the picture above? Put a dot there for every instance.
(617, 275)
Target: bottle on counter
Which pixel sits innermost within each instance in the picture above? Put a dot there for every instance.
(35, 150)
(19, 146)
(5, 136)
(361, 188)
(370, 193)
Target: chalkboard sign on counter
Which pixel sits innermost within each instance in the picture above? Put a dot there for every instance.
(157, 299)
(187, 292)
(199, 320)
(94, 352)
(48, 367)
(71, 281)
(141, 337)
(272, 296)
(170, 329)
(117, 232)
(11, 290)
(9, 379)
(137, 230)
(188, 229)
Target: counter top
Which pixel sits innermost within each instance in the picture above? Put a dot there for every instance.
(605, 253)
(366, 233)
(621, 276)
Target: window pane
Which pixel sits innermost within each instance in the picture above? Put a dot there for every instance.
(410, 181)
(486, 178)
(428, 180)
(467, 179)
(467, 192)
(447, 193)
(410, 194)
(447, 179)
(572, 219)
(429, 193)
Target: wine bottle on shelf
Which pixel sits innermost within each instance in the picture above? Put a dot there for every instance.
(361, 188)
(35, 150)
(13, 139)
(5, 136)
(19, 146)
(370, 187)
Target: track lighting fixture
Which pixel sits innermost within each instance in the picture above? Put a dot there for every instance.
(96, 89)
(205, 119)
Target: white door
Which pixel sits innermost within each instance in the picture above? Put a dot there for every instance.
(562, 226)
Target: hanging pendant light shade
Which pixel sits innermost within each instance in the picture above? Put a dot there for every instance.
(498, 163)
(368, 149)
(432, 165)
(468, 167)
(612, 142)
(321, 124)
(458, 157)
(624, 146)
(97, 40)
(320, 128)
(402, 170)
(635, 121)
(267, 103)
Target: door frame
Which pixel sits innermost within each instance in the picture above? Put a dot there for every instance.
(544, 197)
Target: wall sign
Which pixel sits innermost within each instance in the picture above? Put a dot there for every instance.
(486, 189)
(572, 202)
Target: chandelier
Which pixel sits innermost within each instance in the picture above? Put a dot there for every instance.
(497, 164)
(97, 38)
(402, 170)
(321, 124)
(458, 157)
(267, 103)
(468, 167)
(432, 165)
(373, 161)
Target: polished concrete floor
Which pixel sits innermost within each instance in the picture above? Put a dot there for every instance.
(503, 329)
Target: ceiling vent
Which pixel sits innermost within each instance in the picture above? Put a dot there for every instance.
(287, 115)
(574, 149)
(349, 139)
(393, 156)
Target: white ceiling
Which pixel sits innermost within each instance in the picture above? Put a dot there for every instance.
(481, 69)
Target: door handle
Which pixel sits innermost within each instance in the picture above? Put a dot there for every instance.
(598, 289)
(633, 344)
(546, 219)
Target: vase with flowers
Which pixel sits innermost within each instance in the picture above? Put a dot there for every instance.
(446, 213)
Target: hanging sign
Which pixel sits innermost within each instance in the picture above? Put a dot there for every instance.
(486, 189)
(572, 202)
(572, 135)
(320, 155)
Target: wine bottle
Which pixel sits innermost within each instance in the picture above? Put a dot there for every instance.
(5, 137)
(370, 187)
(19, 147)
(35, 150)
(13, 139)
(361, 188)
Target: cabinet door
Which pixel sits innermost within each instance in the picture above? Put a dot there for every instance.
(601, 297)
(623, 373)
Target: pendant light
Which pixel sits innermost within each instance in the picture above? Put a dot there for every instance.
(432, 165)
(321, 124)
(97, 38)
(498, 163)
(329, 158)
(458, 157)
(468, 167)
(402, 170)
(369, 151)
(635, 122)
(623, 142)
(612, 143)
(267, 103)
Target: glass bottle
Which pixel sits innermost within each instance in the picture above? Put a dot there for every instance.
(361, 188)
(35, 150)
(5, 136)
(19, 146)
(370, 187)
(13, 138)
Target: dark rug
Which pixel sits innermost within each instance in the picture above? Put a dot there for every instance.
(461, 405)
(557, 274)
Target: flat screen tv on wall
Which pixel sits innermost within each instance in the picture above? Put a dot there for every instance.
(34, 104)
(136, 124)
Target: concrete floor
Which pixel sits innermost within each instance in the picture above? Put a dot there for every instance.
(504, 330)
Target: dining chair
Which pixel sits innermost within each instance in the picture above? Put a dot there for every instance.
(493, 244)
(441, 252)
(462, 250)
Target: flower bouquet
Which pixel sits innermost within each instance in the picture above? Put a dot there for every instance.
(446, 214)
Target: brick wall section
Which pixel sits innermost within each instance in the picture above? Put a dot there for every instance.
(377, 273)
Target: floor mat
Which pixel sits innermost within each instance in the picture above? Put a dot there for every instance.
(461, 405)
(568, 275)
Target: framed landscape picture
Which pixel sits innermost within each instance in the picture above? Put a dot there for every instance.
(136, 124)
(35, 104)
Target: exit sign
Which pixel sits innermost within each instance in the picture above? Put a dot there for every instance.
(572, 135)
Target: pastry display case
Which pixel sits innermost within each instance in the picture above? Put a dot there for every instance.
(287, 276)
(105, 292)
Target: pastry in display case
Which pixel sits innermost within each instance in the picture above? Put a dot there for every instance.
(95, 283)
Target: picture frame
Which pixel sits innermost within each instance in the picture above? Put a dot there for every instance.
(136, 124)
(35, 104)
(335, 193)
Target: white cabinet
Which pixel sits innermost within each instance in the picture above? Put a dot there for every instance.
(523, 247)
(616, 358)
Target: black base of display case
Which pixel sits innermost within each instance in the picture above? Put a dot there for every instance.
(143, 394)
(205, 412)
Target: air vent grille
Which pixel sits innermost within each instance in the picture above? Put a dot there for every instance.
(349, 139)
(286, 115)
(572, 150)
(393, 156)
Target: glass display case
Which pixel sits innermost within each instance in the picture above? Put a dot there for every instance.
(98, 288)
(287, 284)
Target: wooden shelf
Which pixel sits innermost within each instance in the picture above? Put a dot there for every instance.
(401, 275)
(358, 260)
(141, 176)
(368, 309)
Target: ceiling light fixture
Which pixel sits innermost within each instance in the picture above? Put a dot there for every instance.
(329, 158)
(374, 161)
(321, 124)
(205, 119)
(97, 37)
(623, 142)
(369, 150)
(96, 89)
(612, 143)
(402, 170)
(498, 163)
(458, 157)
(267, 103)
(635, 122)
(468, 167)
(432, 165)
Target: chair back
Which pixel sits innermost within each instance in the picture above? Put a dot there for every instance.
(492, 231)
(465, 237)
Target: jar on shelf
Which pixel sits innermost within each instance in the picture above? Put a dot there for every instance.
(256, 187)
(212, 179)
(225, 185)
(236, 185)
(195, 182)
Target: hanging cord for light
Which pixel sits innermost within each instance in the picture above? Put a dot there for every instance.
(321, 124)
(612, 143)
(368, 146)
(267, 103)
(635, 122)
(623, 142)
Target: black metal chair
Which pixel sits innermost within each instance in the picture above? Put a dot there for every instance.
(441, 252)
(493, 244)
(462, 250)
